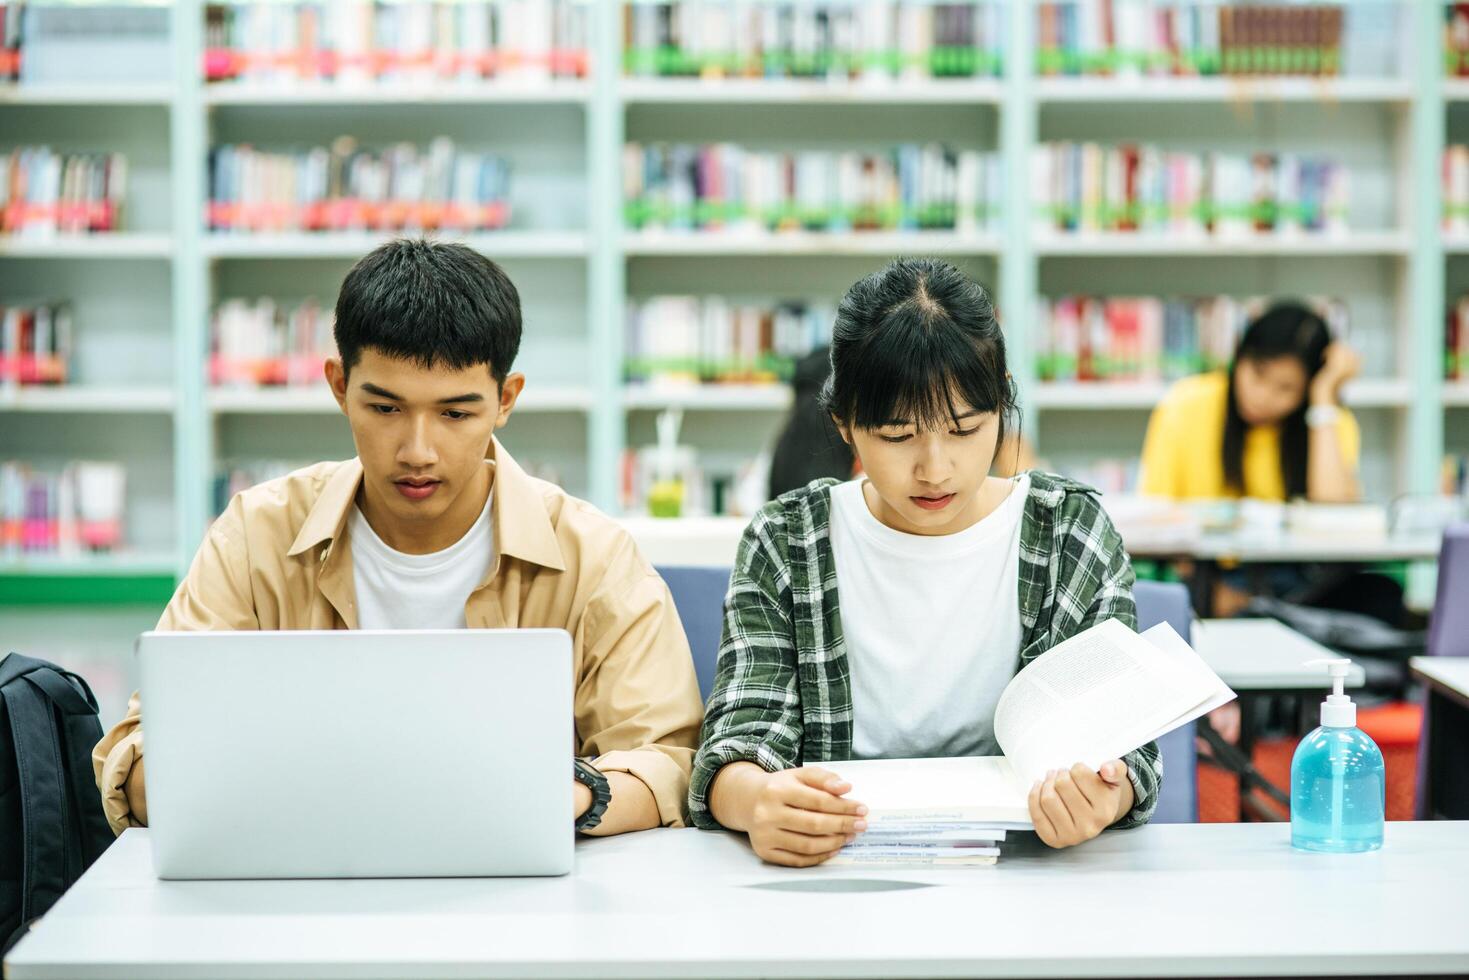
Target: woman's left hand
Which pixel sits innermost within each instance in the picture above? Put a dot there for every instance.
(1340, 365)
(1074, 805)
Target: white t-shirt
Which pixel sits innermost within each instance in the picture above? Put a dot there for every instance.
(931, 624)
(399, 592)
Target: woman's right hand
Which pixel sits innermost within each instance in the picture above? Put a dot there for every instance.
(799, 817)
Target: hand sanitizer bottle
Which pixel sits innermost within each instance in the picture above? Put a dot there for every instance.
(1336, 778)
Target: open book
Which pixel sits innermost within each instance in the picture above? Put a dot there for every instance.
(1094, 697)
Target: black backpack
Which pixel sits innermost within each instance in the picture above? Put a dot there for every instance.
(51, 823)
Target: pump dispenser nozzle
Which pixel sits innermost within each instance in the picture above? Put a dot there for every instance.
(1337, 711)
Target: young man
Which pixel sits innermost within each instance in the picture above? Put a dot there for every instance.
(433, 525)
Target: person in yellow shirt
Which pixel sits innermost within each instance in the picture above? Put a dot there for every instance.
(1271, 427)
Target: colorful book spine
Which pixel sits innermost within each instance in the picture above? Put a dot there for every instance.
(35, 344)
(266, 344)
(44, 193)
(75, 510)
(1456, 341)
(866, 39)
(1090, 188)
(725, 187)
(1456, 39)
(1455, 179)
(1206, 37)
(1142, 339)
(347, 188)
(690, 340)
(10, 38)
(407, 42)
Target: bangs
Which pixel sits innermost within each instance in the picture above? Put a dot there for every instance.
(923, 371)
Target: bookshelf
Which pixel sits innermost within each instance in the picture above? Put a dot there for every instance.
(577, 266)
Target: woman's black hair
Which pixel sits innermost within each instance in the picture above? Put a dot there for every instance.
(910, 344)
(1284, 330)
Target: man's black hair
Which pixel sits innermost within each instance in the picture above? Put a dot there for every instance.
(913, 341)
(434, 303)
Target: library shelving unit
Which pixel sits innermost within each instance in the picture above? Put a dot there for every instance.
(143, 299)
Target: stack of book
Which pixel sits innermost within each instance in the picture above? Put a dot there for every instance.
(78, 509)
(1456, 341)
(1089, 338)
(724, 187)
(1088, 188)
(1456, 39)
(356, 42)
(1061, 709)
(35, 343)
(345, 187)
(266, 343)
(1455, 475)
(1456, 188)
(43, 193)
(10, 38)
(871, 40)
(687, 340)
(1205, 37)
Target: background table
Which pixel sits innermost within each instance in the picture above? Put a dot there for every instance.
(1180, 899)
(1446, 782)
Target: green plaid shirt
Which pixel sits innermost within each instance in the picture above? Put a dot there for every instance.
(782, 692)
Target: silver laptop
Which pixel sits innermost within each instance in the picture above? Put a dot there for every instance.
(358, 754)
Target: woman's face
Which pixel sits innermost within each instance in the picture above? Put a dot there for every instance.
(1267, 391)
(928, 481)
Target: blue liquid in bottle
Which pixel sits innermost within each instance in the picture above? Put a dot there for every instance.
(1338, 792)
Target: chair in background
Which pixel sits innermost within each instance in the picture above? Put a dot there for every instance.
(1448, 634)
(698, 595)
(1178, 801)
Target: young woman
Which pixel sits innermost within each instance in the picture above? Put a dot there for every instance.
(1271, 427)
(883, 617)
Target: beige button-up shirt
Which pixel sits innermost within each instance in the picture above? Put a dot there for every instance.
(280, 558)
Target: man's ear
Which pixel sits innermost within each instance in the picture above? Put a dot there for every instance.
(510, 391)
(336, 379)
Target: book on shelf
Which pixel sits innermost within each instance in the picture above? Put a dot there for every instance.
(709, 483)
(1456, 39)
(1088, 187)
(66, 513)
(1091, 698)
(871, 40)
(345, 187)
(1454, 475)
(44, 193)
(413, 42)
(1456, 341)
(1137, 38)
(677, 341)
(114, 42)
(266, 343)
(35, 344)
(10, 38)
(1149, 338)
(1455, 182)
(726, 187)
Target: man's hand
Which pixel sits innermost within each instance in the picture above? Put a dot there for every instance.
(1074, 805)
(799, 819)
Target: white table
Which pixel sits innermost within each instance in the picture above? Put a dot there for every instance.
(1265, 655)
(1183, 899)
(1445, 786)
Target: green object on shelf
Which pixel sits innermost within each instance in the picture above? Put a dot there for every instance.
(665, 498)
(85, 590)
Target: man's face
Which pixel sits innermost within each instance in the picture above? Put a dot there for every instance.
(422, 433)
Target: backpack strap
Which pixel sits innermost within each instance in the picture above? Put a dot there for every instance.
(42, 799)
(80, 732)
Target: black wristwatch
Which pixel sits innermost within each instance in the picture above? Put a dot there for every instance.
(592, 778)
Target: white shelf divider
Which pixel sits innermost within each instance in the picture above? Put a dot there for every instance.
(1242, 89)
(109, 245)
(1141, 395)
(563, 92)
(158, 96)
(1456, 394)
(740, 91)
(142, 562)
(86, 399)
(1151, 245)
(353, 245)
(788, 243)
(709, 398)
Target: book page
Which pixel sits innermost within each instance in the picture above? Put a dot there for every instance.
(1099, 695)
(975, 789)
